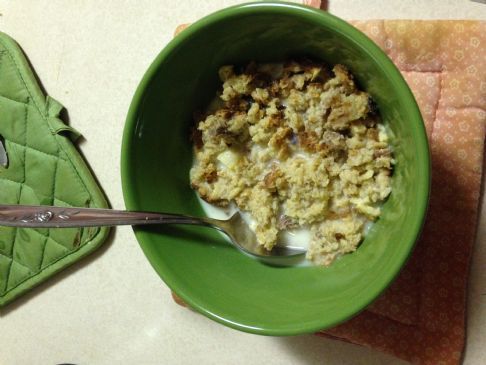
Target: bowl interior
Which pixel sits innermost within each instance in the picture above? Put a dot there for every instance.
(197, 263)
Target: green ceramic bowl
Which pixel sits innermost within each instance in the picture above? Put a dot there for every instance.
(197, 263)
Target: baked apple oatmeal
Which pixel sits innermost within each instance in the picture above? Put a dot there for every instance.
(297, 146)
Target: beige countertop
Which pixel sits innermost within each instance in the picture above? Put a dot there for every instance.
(112, 308)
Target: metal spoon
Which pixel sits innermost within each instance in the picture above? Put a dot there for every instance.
(241, 236)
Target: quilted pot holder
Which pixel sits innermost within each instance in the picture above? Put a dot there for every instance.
(42, 168)
(421, 317)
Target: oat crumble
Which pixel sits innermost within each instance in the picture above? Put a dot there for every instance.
(296, 145)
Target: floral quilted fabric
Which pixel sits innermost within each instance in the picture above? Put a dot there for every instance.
(42, 168)
(421, 316)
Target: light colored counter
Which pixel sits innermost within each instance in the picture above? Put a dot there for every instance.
(112, 308)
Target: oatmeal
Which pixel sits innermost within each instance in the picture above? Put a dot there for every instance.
(297, 146)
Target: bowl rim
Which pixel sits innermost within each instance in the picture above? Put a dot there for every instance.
(423, 164)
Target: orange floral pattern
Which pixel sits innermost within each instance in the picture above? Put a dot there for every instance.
(421, 317)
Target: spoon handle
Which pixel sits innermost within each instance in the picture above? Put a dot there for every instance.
(60, 217)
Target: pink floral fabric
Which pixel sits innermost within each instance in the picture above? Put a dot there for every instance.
(421, 317)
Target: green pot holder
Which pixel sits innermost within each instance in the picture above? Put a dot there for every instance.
(43, 168)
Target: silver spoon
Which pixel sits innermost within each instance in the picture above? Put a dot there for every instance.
(241, 236)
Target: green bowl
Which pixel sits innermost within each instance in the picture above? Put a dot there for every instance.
(197, 263)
